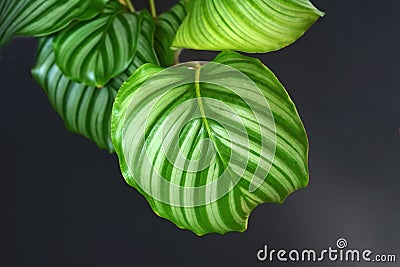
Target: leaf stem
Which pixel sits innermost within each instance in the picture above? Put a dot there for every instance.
(153, 8)
(199, 100)
(129, 4)
(203, 113)
(176, 56)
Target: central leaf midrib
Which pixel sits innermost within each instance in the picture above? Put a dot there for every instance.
(203, 114)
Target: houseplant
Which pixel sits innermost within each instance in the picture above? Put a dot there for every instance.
(88, 49)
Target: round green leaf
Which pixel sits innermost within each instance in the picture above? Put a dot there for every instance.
(206, 143)
(38, 17)
(248, 26)
(93, 52)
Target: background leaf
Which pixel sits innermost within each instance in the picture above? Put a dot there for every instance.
(38, 17)
(145, 52)
(86, 110)
(288, 169)
(248, 26)
(93, 52)
(167, 25)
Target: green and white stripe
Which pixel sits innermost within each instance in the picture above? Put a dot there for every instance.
(145, 52)
(248, 26)
(167, 25)
(93, 52)
(86, 110)
(39, 18)
(184, 116)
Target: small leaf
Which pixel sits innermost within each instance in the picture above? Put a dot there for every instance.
(205, 144)
(248, 26)
(93, 52)
(167, 25)
(86, 110)
(38, 17)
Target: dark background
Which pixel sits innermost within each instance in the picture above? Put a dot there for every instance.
(64, 203)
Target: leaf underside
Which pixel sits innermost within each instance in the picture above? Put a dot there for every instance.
(247, 26)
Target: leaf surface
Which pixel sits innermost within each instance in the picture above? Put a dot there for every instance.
(167, 25)
(86, 110)
(38, 17)
(248, 26)
(207, 143)
(93, 52)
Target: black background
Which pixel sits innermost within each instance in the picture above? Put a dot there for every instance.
(64, 203)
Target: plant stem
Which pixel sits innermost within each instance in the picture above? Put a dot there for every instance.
(153, 8)
(176, 56)
(129, 4)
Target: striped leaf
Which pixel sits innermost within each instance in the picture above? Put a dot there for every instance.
(145, 52)
(248, 26)
(86, 110)
(167, 25)
(207, 143)
(93, 52)
(43, 17)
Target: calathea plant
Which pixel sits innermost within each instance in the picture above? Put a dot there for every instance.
(204, 142)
